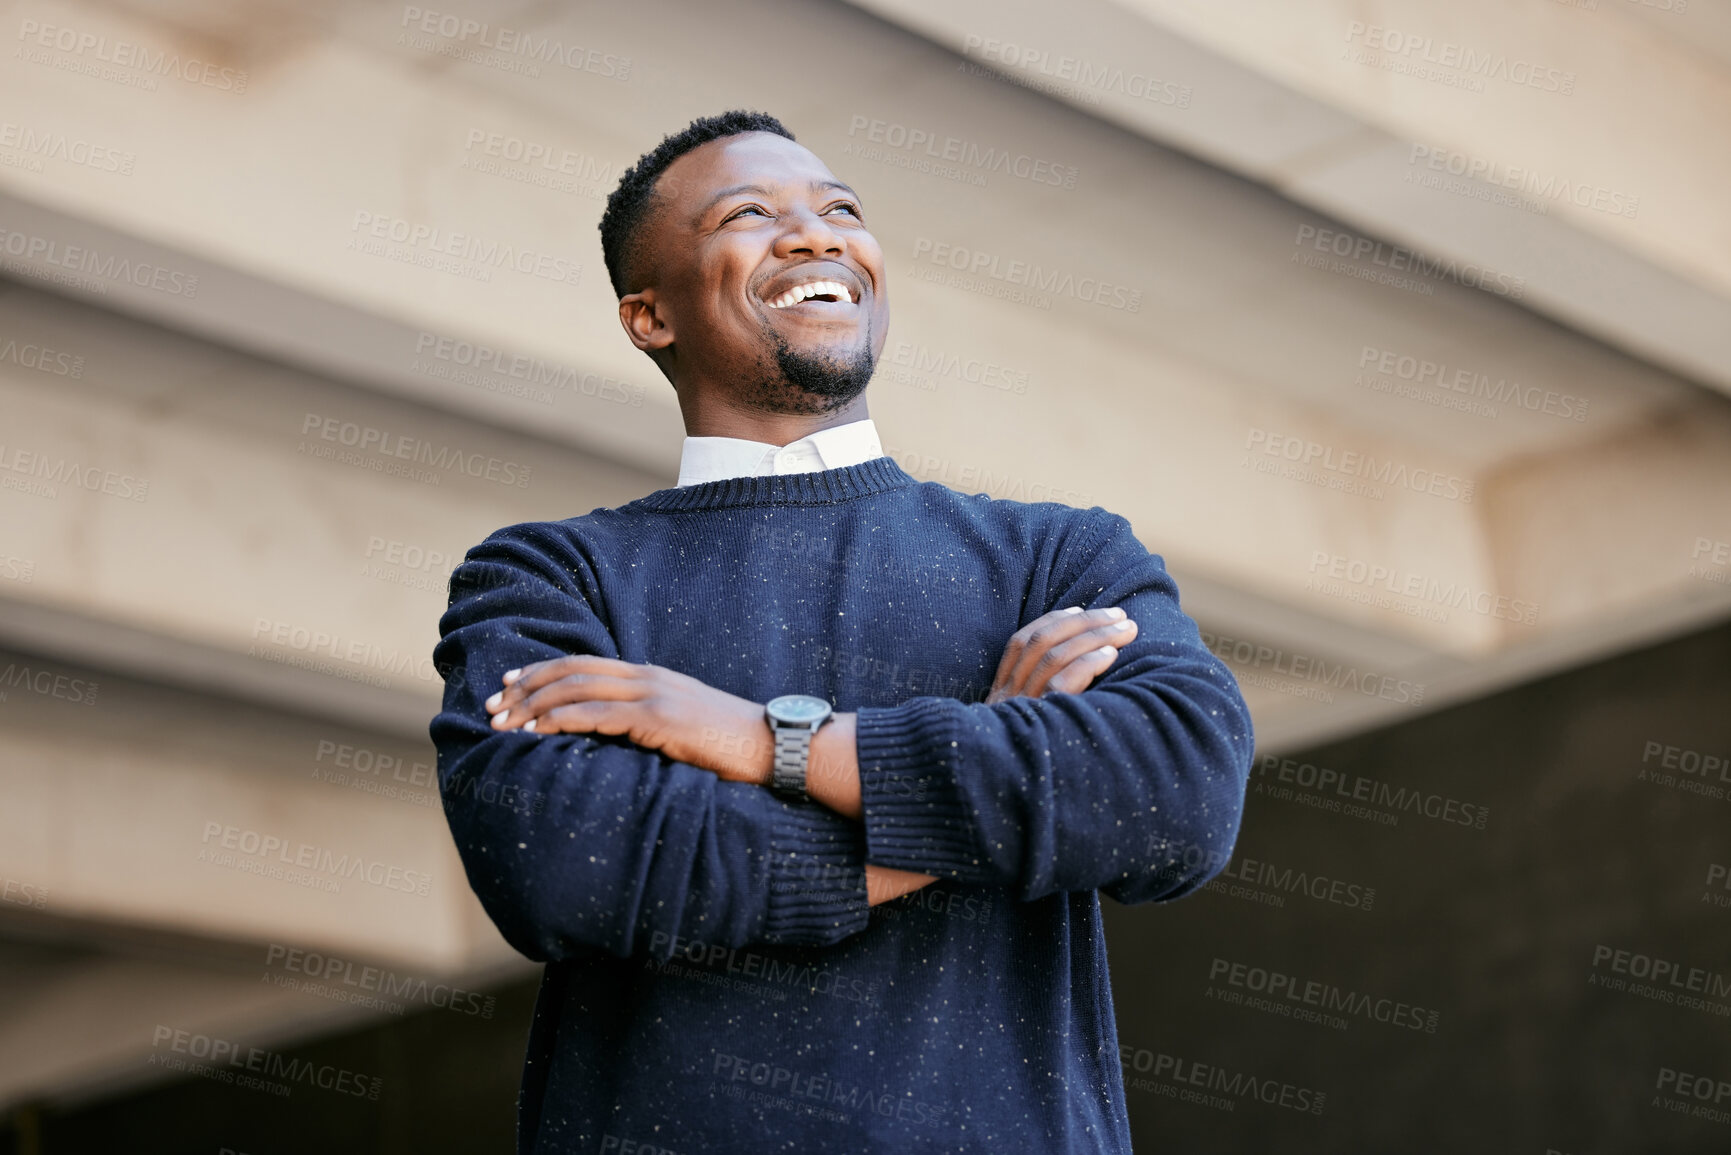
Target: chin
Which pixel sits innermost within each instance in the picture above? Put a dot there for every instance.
(812, 377)
(837, 352)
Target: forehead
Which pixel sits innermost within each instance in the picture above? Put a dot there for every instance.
(763, 159)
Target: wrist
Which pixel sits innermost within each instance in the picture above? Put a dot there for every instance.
(737, 748)
(833, 778)
(762, 746)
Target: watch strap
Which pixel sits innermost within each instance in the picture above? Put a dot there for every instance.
(792, 757)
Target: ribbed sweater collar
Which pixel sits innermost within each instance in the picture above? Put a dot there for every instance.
(824, 487)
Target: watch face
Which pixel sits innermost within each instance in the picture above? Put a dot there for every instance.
(798, 709)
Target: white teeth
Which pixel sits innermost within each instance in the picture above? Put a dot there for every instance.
(812, 289)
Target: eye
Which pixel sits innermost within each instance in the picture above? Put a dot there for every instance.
(743, 209)
(848, 205)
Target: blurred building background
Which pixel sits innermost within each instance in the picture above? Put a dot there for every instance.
(1401, 330)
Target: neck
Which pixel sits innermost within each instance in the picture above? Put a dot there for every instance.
(720, 417)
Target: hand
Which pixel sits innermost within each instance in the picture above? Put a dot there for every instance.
(886, 883)
(657, 708)
(1063, 651)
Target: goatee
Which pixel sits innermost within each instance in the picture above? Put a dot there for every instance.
(801, 382)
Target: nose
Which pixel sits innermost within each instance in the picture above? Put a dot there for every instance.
(809, 234)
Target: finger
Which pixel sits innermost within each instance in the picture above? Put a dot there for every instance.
(1115, 634)
(570, 688)
(585, 718)
(537, 674)
(521, 682)
(1082, 670)
(1019, 640)
(1042, 638)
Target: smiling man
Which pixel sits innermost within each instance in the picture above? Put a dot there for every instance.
(830, 764)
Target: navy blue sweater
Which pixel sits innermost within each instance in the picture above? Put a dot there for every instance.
(716, 981)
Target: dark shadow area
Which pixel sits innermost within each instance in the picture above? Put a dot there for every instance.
(447, 1083)
(1375, 973)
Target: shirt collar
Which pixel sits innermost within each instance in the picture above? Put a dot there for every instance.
(718, 458)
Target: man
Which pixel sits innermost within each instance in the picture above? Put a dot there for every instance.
(866, 922)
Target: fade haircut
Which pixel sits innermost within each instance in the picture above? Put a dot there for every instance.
(631, 205)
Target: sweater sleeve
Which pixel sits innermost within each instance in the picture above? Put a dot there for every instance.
(575, 840)
(1135, 786)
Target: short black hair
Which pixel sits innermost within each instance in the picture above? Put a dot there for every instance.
(628, 206)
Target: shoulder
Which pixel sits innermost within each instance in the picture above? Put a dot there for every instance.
(558, 536)
(1035, 519)
(567, 555)
(1059, 540)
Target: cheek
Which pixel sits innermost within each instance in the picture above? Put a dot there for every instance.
(880, 319)
(731, 302)
(716, 319)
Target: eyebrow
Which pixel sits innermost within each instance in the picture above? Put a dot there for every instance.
(815, 186)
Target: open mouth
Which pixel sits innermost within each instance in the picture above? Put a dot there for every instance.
(830, 292)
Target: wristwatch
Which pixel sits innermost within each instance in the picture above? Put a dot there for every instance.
(793, 719)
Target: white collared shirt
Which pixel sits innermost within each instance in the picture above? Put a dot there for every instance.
(718, 458)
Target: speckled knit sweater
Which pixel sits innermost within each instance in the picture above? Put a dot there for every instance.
(716, 981)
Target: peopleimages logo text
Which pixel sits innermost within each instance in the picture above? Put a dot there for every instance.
(317, 967)
(366, 438)
(103, 267)
(124, 54)
(993, 267)
(1479, 64)
(466, 247)
(307, 856)
(1453, 594)
(1401, 259)
(1254, 657)
(1235, 1085)
(1351, 463)
(226, 1055)
(46, 145)
(1086, 74)
(1423, 371)
(966, 152)
(1542, 188)
(509, 42)
(1359, 788)
(1278, 984)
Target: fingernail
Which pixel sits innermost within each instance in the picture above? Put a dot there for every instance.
(1109, 651)
(512, 676)
(529, 725)
(499, 718)
(1074, 610)
(1115, 612)
(493, 702)
(1126, 625)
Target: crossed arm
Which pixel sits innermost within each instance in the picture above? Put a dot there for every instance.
(1083, 771)
(686, 720)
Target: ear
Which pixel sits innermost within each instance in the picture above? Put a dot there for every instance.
(648, 326)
